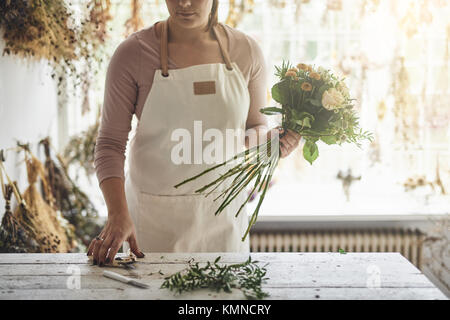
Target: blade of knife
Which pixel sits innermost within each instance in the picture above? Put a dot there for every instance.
(138, 284)
(121, 278)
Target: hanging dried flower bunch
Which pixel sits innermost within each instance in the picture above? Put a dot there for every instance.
(418, 181)
(74, 204)
(419, 14)
(80, 149)
(15, 236)
(334, 5)
(410, 23)
(38, 29)
(99, 16)
(134, 23)
(236, 11)
(298, 8)
(60, 218)
(52, 232)
(93, 36)
(406, 109)
(277, 3)
(35, 225)
(436, 110)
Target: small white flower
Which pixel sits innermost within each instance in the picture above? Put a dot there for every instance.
(343, 89)
(323, 74)
(332, 99)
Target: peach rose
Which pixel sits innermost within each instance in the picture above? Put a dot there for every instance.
(290, 73)
(315, 75)
(302, 66)
(306, 86)
(332, 99)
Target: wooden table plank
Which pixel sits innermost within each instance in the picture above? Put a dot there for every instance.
(291, 276)
(280, 275)
(275, 294)
(171, 258)
(155, 281)
(288, 267)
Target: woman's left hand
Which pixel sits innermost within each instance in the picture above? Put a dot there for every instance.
(289, 142)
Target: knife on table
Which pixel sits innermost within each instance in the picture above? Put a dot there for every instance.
(121, 278)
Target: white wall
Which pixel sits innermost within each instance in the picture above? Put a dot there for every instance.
(28, 110)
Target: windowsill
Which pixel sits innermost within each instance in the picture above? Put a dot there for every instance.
(359, 217)
(323, 206)
(311, 222)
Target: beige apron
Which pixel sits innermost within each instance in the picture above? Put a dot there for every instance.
(168, 219)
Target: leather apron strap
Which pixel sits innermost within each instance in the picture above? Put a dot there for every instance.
(223, 49)
(164, 49)
(164, 39)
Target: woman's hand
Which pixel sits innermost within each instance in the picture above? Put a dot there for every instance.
(289, 142)
(260, 134)
(105, 246)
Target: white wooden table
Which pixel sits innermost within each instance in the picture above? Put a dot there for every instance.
(292, 276)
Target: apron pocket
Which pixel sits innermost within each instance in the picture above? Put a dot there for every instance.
(186, 223)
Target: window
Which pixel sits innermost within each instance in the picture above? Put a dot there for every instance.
(400, 81)
(395, 57)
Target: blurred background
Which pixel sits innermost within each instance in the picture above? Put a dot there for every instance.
(390, 195)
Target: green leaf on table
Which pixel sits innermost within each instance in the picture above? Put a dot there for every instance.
(310, 151)
(329, 139)
(342, 251)
(217, 260)
(270, 111)
(247, 276)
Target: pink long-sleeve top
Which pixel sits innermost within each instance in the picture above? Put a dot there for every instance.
(129, 79)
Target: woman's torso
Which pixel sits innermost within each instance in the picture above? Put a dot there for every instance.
(239, 46)
(130, 77)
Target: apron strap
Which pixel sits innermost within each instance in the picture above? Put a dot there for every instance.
(223, 49)
(165, 51)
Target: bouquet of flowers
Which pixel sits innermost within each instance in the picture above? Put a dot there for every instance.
(312, 102)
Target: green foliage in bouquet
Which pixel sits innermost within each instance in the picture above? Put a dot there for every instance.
(317, 105)
(313, 103)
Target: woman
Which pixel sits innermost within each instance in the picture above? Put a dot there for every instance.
(173, 75)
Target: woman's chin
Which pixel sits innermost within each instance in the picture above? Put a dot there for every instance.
(187, 22)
